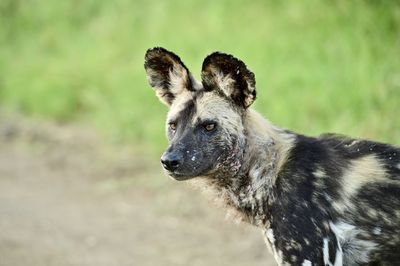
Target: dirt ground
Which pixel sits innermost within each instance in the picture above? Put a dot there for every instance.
(67, 198)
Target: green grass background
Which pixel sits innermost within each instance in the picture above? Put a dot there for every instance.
(321, 66)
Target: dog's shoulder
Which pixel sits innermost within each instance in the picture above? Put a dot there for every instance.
(333, 178)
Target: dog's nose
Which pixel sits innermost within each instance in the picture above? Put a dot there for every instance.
(171, 161)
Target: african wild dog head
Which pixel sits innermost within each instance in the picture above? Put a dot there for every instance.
(205, 120)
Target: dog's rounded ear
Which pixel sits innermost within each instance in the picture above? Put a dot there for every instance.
(231, 76)
(167, 74)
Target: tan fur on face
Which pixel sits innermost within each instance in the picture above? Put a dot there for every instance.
(179, 104)
(215, 108)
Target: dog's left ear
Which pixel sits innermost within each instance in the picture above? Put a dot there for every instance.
(231, 76)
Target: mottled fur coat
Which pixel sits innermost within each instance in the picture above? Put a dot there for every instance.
(329, 200)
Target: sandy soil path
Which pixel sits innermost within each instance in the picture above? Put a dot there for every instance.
(68, 199)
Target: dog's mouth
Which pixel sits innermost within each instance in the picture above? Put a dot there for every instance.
(180, 176)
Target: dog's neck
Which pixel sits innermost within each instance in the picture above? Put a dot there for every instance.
(246, 185)
(265, 151)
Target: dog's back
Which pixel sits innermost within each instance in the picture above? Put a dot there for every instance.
(338, 201)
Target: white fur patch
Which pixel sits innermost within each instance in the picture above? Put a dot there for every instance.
(357, 250)
(377, 231)
(270, 240)
(319, 173)
(339, 257)
(306, 263)
(352, 143)
(325, 252)
(270, 235)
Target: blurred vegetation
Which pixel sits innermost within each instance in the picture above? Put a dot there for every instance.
(321, 66)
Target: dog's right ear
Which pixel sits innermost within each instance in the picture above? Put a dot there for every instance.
(167, 74)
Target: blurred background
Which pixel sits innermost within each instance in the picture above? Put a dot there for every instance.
(81, 131)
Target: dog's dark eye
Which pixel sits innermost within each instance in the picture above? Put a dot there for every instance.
(172, 126)
(210, 126)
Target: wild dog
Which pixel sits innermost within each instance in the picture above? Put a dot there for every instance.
(328, 200)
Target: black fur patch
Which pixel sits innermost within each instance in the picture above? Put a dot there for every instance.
(382, 226)
(304, 197)
(302, 209)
